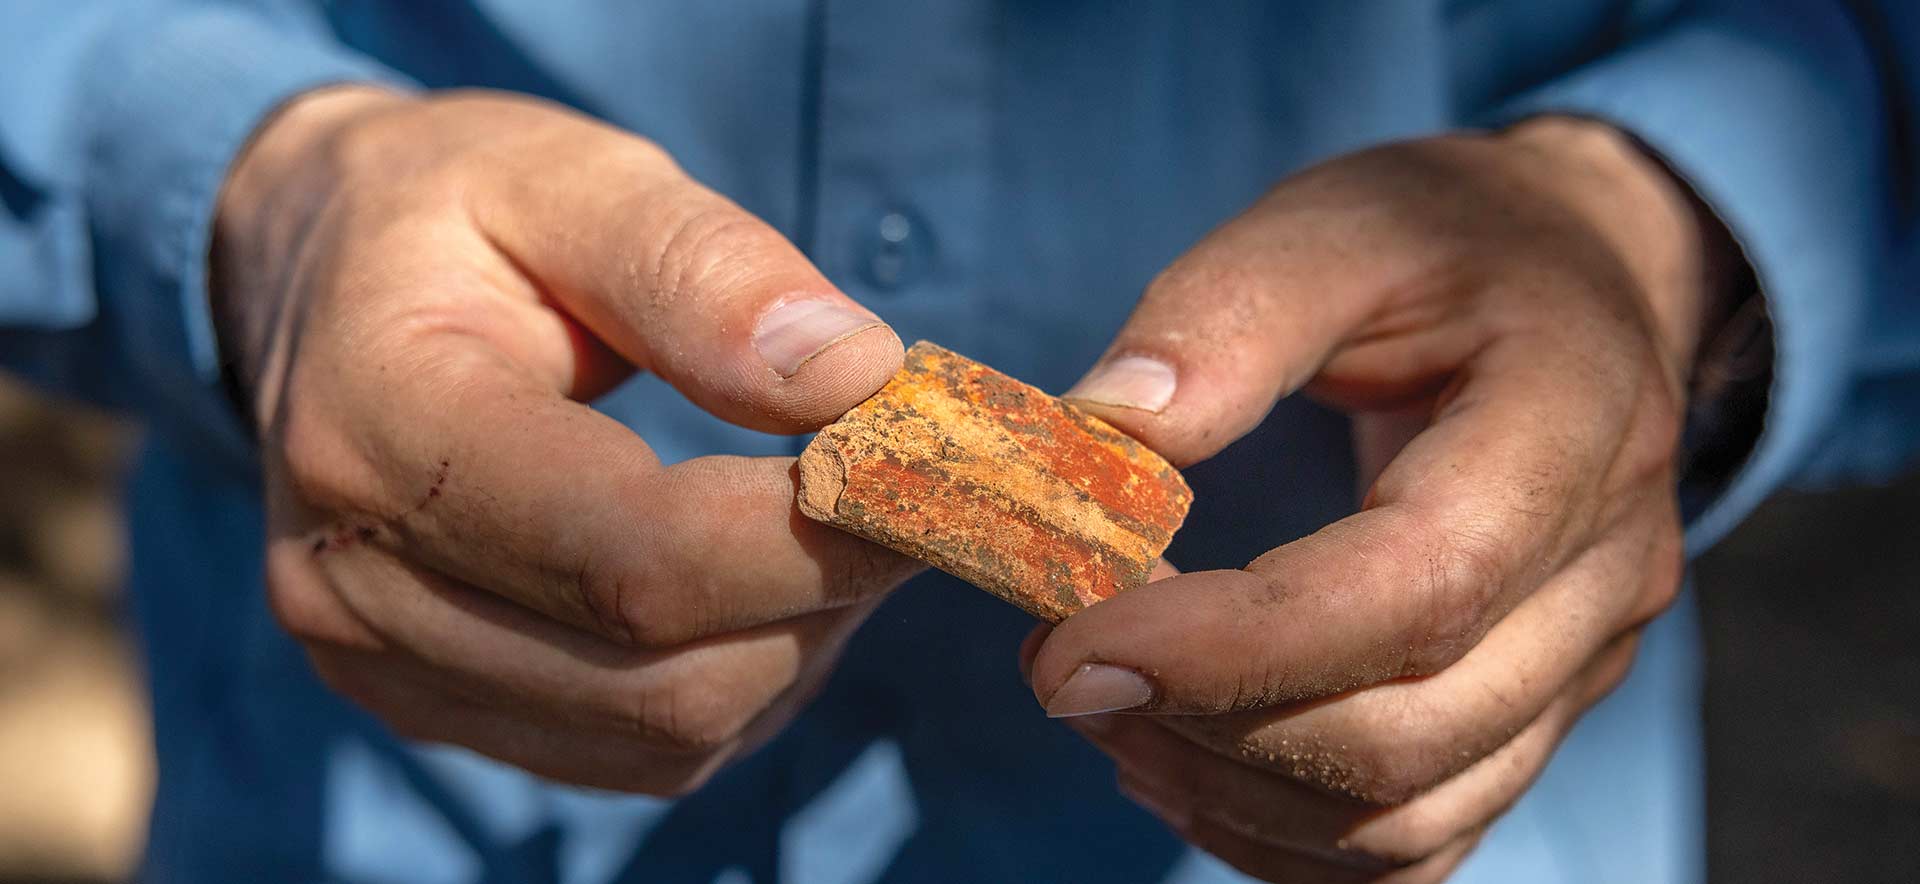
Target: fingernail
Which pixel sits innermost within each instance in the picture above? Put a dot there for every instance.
(1097, 687)
(796, 331)
(1139, 382)
(1177, 816)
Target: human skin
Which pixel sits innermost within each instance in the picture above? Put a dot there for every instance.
(1511, 321)
(418, 292)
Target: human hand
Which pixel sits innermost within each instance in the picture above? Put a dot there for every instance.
(419, 294)
(1511, 321)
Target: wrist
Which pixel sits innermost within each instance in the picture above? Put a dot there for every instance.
(275, 189)
(1681, 257)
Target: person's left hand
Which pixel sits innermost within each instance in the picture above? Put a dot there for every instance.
(1511, 320)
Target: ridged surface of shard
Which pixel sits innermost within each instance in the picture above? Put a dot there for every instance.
(997, 483)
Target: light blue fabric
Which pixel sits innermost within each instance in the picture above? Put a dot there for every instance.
(1046, 159)
(1708, 95)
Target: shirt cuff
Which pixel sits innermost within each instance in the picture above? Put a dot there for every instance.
(1773, 121)
(172, 99)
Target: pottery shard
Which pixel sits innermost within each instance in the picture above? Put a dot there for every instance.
(997, 483)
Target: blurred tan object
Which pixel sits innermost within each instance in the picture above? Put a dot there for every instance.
(75, 744)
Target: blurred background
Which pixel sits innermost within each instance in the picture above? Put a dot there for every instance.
(1812, 616)
(76, 764)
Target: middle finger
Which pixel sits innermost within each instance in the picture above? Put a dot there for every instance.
(1388, 743)
(495, 652)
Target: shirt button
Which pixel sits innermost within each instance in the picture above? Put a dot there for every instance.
(897, 251)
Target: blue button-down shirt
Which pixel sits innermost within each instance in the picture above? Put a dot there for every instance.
(1002, 177)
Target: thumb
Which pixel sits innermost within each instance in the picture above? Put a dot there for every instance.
(1246, 316)
(682, 282)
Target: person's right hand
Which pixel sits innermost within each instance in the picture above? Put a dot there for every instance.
(417, 294)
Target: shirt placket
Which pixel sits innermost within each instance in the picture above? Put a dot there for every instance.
(902, 160)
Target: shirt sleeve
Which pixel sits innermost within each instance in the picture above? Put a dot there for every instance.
(1780, 116)
(118, 121)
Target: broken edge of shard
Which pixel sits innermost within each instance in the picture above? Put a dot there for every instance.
(823, 476)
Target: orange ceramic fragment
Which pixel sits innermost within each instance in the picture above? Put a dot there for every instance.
(996, 483)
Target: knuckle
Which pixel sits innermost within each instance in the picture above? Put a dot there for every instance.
(321, 465)
(687, 718)
(1463, 576)
(1610, 672)
(1408, 835)
(653, 621)
(289, 595)
(637, 603)
(1396, 774)
(639, 150)
(1665, 577)
(1653, 437)
(710, 242)
(645, 618)
(1383, 772)
(307, 608)
(295, 609)
(1612, 675)
(602, 602)
(1415, 755)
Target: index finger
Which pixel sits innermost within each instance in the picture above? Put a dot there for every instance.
(494, 479)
